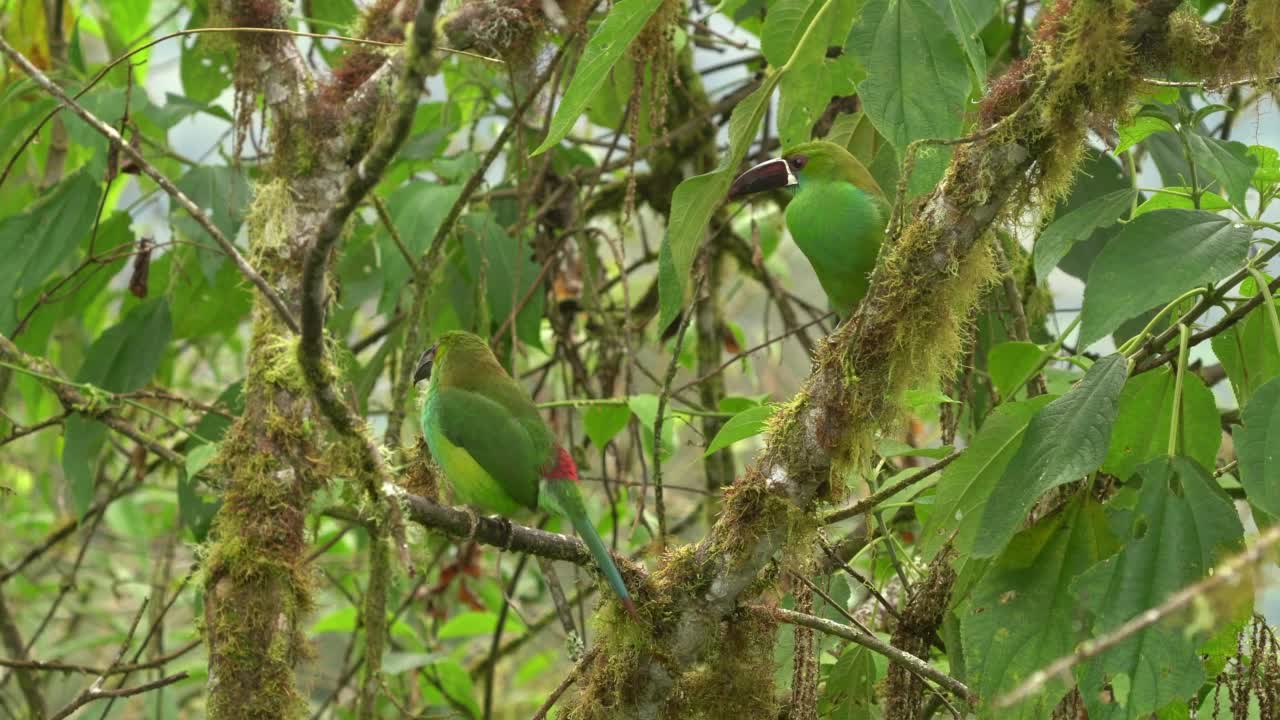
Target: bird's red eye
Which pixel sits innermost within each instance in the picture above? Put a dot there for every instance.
(798, 162)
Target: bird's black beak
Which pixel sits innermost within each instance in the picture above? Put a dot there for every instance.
(772, 174)
(424, 365)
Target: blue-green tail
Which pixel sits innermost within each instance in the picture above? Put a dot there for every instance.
(562, 496)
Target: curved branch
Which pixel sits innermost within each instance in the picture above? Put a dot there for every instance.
(362, 178)
(872, 643)
(150, 171)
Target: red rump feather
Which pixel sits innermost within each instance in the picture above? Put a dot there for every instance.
(561, 467)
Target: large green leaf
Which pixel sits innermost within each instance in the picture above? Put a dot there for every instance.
(223, 193)
(850, 690)
(1172, 251)
(1079, 224)
(1258, 448)
(196, 511)
(967, 18)
(333, 13)
(1180, 198)
(509, 274)
(205, 71)
(802, 98)
(1138, 130)
(1099, 173)
(1182, 525)
(748, 423)
(34, 243)
(126, 355)
(1141, 431)
(1021, 616)
(625, 20)
(129, 18)
(417, 208)
(1064, 441)
(920, 82)
(194, 293)
(1011, 363)
(122, 359)
(1268, 171)
(967, 483)
(82, 440)
(783, 27)
(1247, 351)
(696, 199)
(602, 423)
(1228, 162)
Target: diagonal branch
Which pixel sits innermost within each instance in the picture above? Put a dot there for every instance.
(74, 399)
(1233, 571)
(150, 170)
(362, 178)
(872, 643)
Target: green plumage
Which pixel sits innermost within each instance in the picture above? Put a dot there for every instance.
(836, 218)
(493, 446)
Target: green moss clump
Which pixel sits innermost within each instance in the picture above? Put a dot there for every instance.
(257, 583)
(737, 680)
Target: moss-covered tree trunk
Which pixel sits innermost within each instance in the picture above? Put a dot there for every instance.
(257, 583)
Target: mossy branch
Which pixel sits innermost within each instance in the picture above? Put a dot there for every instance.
(74, 399)
(362, 178)
(907, 332)
(311, 348)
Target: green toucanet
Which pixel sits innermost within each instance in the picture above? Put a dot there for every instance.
(837, 216)
(496, 452)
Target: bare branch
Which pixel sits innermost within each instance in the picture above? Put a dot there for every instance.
(871, 501)
(566, 683)
(97, 693)
(501, 533)
(894, 655)
(12, 639)
(150, 170)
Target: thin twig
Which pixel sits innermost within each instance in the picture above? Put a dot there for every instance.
(1230, 571)
(664, 395)
(64, 667)
(1151, 355)
(11, 636)
(150, 170)
(93, 694)
(1013, 298)
(879, 496)
(473, 182)
(566, 683)
(893, 654)
(862, 579)
(21, 431)
(751, 351)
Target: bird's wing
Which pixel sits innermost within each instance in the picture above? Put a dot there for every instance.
(494, 438)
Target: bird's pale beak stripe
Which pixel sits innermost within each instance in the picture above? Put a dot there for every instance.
(425, 362)
(772, 174)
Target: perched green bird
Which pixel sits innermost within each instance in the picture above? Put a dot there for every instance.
(496, 451)
(837, 216)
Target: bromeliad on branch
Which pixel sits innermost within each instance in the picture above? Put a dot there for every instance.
(495, 450)
(837, 216)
